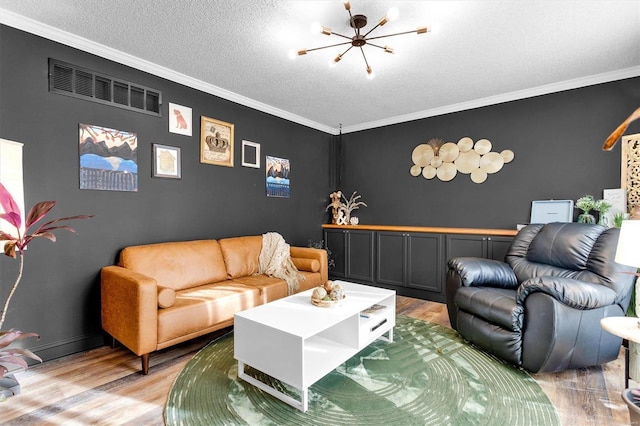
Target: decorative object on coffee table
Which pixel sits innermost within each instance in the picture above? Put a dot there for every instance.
(329, 295)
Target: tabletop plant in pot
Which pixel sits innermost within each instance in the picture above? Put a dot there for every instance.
(586, 203)
(14, 247)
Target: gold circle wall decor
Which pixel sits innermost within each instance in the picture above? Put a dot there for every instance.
(446, 159)
(429, 172)
(467, 161)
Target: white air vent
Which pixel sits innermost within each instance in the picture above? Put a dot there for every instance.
(72, 80)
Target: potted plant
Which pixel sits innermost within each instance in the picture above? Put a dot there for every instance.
(586, 204)
(15, 246)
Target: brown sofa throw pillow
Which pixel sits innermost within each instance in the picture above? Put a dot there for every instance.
(309, 265)
(275, 261)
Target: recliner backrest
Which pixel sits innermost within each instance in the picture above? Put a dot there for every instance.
(572, 250)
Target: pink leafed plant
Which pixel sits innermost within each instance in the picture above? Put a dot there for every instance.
(18, 242)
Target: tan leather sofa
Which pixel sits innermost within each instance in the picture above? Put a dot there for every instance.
(163, 294)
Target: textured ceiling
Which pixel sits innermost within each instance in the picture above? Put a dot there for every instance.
(480, 52)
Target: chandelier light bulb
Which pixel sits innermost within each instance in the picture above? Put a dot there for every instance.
(293, 54)
(347, 5)
(370, 73)
(316, 28)
(393, 14)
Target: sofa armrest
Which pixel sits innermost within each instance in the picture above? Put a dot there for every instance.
(574, 293)
(477, 272)
(129, 308)
(313, 254)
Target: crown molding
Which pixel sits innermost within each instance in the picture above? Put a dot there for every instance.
(498, 99)
(34, 27)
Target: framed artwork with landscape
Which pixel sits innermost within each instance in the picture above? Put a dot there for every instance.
(108, 159)
(216, 142)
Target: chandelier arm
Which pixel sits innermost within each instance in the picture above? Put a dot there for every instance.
(371, 30)
(341, 35)
(375, 45)
(391, 35)
(331, 45)
(348, 49)
(364, 57)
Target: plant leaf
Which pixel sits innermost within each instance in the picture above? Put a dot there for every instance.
(15, 360)
(13, 218)
(38, 211)
(4, 236)
(10, 248)
(7, 202)
(7, 337)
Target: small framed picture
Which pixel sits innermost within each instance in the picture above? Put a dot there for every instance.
(251, 154)
(179, 119)
(216, 142)
(166, 162)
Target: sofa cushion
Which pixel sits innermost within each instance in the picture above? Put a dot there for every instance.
(166, 297)
(310, 265)
(270, 288)
(202, 307)
(177, 265)
(241, 255)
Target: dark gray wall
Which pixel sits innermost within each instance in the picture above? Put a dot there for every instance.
(59, 293)
(557, 140)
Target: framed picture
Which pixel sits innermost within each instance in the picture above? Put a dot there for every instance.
(166, 162)
(216, 142)
(277, 179)
(108, 159)
(180, 119)
(251, 154)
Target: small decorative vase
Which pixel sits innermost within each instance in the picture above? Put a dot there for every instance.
(603, 220)
(586, 218)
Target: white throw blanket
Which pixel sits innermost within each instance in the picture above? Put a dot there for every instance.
(275, 261)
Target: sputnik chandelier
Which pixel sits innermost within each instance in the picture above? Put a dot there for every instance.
(359, 40)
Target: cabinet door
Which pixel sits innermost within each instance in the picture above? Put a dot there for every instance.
(466, 246)
(360, 255)
(336, 242)
(498, 247)
(391, 258)
(425, 262)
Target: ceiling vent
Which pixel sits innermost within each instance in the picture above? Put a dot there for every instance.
(81, 83)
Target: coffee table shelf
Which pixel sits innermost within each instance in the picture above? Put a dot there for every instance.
(298, 343)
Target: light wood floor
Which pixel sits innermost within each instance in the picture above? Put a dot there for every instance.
(104, 386)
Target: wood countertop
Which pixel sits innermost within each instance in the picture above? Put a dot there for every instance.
(430, 229)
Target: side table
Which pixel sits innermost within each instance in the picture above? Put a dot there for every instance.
(629, 329)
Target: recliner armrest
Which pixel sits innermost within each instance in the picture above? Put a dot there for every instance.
(574, 293)
(480, 272)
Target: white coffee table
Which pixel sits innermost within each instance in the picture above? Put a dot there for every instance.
(298, 343)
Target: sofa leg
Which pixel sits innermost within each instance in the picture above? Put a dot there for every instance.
(145, 364)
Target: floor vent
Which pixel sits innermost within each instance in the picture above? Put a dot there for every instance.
(81, 83)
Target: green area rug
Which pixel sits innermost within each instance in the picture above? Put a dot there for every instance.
(427, 376)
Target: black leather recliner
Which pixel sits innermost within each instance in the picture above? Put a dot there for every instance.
(541, 308)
